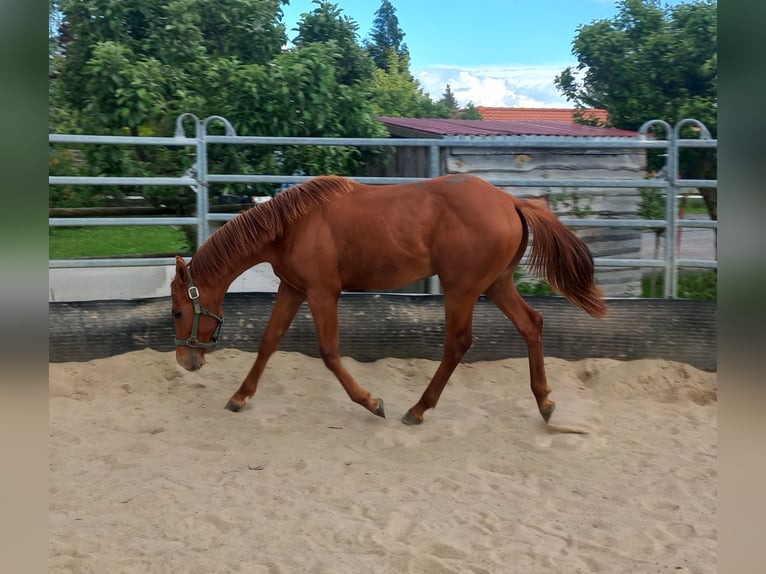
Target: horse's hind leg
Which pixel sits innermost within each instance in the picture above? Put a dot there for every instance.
(324, 309)
(285, 307)
(529, 323)
(458, 313)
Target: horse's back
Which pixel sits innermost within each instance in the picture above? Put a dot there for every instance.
(435, 209)
(382, 237)
(432, 200)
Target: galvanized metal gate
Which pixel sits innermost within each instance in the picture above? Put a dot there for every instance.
(199, 179)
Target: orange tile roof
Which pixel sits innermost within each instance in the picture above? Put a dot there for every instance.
(546, 114)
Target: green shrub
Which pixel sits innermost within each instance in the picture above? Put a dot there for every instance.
(531, 286)
(698, 284)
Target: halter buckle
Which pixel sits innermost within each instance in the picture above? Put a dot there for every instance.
(193, 293)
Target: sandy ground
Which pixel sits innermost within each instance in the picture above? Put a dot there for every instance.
(149, 473)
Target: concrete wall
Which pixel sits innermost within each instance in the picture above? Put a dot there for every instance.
(126, 283)
(375, 326)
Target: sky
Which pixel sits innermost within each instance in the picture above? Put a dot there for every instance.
(499, 53)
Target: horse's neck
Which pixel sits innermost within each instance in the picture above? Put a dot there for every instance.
(221, 281)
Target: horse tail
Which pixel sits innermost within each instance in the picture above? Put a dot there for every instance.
(561, 257)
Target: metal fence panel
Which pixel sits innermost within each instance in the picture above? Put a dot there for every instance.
(199, 180)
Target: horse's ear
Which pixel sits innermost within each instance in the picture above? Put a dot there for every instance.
(181, 269)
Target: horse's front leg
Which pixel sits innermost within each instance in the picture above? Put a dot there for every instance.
(286, 306)
(324, 309)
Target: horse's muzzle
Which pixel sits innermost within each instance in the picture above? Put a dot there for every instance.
(190, 359)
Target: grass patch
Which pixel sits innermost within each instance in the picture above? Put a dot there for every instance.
(695, 205)
(114, 241)
(698, 284)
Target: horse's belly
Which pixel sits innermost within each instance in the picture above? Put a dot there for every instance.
(383, 273)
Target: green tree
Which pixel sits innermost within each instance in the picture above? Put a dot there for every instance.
(652, 62)
(386, 35)
(394, 92)
(310, 100)
(126, 64)
(327, 25)
(448, 99)
(131, 68)
(326, 92)
(448, 107)
(470, 112)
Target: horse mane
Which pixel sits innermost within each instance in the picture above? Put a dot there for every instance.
(263, 223)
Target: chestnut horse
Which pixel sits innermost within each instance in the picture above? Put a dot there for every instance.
(331, 234)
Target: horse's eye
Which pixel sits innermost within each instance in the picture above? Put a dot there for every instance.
(177, 314)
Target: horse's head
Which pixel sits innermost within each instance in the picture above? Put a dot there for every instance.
(198, 318)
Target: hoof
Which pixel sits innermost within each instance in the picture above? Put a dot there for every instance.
(380, 411)
(233, 407)
(548, 411)
(410, 419)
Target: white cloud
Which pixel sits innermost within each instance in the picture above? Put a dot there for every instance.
(495, 86)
